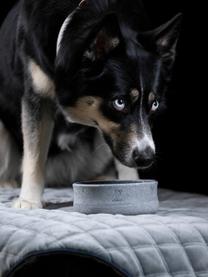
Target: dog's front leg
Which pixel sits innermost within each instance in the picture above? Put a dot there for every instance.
(37, 126)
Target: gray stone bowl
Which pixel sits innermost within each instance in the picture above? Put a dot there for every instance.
(116, 197)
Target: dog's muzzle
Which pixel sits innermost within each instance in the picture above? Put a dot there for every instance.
(143, 153)
(143, 159)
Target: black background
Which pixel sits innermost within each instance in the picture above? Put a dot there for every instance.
(180, 131)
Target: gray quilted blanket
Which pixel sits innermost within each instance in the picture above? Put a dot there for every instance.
(173, 242)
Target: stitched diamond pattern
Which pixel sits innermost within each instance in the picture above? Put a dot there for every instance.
(169, 244)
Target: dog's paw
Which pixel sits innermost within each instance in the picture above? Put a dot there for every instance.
(25, 204)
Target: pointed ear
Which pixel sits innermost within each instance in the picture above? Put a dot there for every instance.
(102, 45)
(165, 39)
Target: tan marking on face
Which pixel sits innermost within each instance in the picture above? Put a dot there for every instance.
(151, 97)
(134, 95)
(41, 82)
(87, 111)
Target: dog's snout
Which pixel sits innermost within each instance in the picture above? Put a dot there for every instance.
(143, 158)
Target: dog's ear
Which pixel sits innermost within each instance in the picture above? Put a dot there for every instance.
(102, 45)
(165, 39)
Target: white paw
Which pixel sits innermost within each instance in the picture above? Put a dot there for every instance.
(25, 204)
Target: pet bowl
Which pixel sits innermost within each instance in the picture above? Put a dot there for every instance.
(116, 197)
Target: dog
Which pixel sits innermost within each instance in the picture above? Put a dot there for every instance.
(80, 74)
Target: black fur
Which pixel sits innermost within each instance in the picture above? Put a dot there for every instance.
(142, 60)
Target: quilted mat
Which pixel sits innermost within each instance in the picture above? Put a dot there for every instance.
(173, 242)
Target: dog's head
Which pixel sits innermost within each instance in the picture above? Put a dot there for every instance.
(114, 78)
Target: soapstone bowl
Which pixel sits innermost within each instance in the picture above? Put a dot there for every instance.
(116, 197)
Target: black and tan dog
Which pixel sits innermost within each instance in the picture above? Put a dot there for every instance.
(93, 63)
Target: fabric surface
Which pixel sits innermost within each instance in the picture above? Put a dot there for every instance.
(174, 242)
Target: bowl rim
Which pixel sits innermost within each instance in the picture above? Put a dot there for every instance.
(110, 183)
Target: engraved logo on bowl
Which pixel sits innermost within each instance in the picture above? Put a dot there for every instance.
(117, 195)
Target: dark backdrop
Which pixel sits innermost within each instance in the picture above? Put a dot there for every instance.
(180, 131)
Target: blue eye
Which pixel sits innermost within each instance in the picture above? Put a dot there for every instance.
(119, 104)
(155, 105)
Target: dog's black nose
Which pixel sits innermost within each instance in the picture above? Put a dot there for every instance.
(143, 158)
